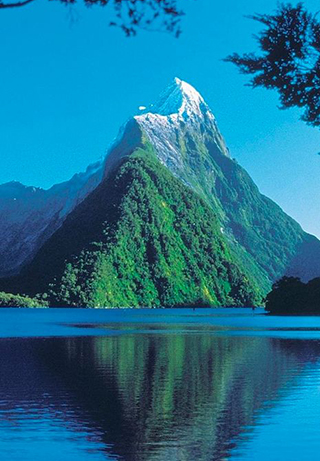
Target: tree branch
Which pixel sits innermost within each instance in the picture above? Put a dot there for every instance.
(15, 5)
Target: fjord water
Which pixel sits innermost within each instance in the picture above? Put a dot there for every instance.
(136, 385)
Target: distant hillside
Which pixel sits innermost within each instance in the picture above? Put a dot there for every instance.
(30, 215)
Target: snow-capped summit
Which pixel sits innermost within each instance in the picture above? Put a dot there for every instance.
(180, 99)
(180, 117)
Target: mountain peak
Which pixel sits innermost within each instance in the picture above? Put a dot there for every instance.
(180, 116)
(180, 99)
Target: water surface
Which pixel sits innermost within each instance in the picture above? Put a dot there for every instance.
(158, 385)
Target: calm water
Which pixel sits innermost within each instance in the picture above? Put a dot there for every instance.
(158, 385)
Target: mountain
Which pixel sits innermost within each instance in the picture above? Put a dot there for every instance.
(30, 215)
(186, 139)
(142, 238)
(172, 220)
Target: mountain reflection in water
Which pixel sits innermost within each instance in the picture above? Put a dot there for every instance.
(139, 397)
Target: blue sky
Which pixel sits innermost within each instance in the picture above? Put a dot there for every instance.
(68, 84)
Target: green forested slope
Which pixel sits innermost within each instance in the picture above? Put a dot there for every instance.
(10, 300)
(268, 241)
(141, 239)
(271, 237)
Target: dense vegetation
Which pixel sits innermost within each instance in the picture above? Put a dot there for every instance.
(291, 296)
(142, 238)
(10, 300)
(270, 240)
(269, 243)
(161, 246)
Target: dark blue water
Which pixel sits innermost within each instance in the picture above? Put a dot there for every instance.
(158, 385)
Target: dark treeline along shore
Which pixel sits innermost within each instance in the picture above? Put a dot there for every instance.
(290, 295)
(169, 219)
